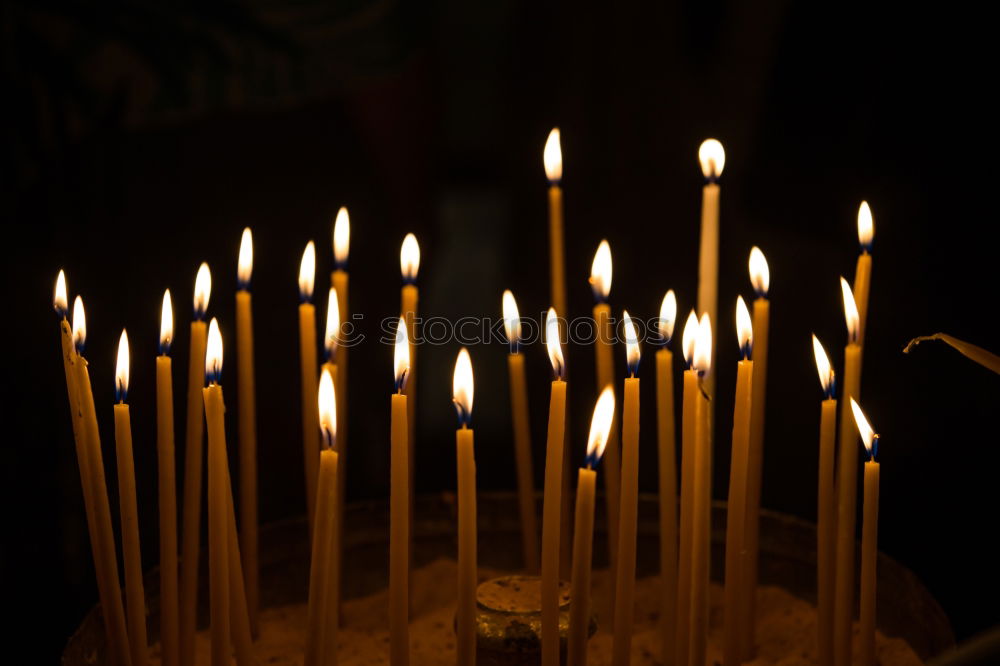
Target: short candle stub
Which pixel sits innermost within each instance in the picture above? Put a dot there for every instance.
(509, 620)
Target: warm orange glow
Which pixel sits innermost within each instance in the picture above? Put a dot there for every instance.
(631, 345)
(600, 272)
(668, 316)
(744, 327)
(244, 266)
(341, 237)
(202, 290)
(213, 353)
(332, 337)
(688, 338)
(703, 346)
(409, 258)
(823, 367)
(511, 320)
(401, 355)
(712, 157)
(60, 301)
(866, 226)
(121, 369)
(462, 386)
(552, 156)
(868, 435)
(850, 311)
(327, 409)
(760, 274)
(166, 323)
(79, 325)
(553, 344)
(307, 272)
(600, 426)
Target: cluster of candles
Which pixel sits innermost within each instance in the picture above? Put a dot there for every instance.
(684, 516)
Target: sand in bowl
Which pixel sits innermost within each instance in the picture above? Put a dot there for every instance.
(786, 627)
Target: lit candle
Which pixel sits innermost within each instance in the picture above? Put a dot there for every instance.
(847, 490)
(307, 358)
(218, 481)
(247, 423)
(869, 537)
(863, 272)
(760, 278)
(106, 590)
(106, 558)
(167, 488)
(826, 512)
(333, 353)
(193, 471)
(712, 157)
(628, 518)
(552, 157)
(522, 434)
(583, 531)
(331, 341)
(339, 281)
(600, 283)
(667, 457)
(324, 597)
(399, 507)
(60, 302)
(409, 263)
(465, 621)
(135, 597)
(701, 520)
(552, 506)
(691, 395)
(736, 516)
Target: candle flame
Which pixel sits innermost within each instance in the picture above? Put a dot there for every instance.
(327, 409)
(59, 300)
(668, 316)
(744, 328)
(703, 346)
(202, 290)
(631, 345)
(401, 355)
(600, 426)
(823, 367)
(307, 272)
(511, 320)
(462, 387)
(554, 345)
(341, 237)
(850, 311)
(760, 274)
(409, 258)
(689, 337)
(79, 326)
(244, 266)
(712, 156)
(121, 369)
(332, 337)
(552, 156)
(866, 226)
(166, 323)
(868, 436)
(213, 353)
(600, 272)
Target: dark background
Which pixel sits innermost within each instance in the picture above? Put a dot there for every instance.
(139, 140)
